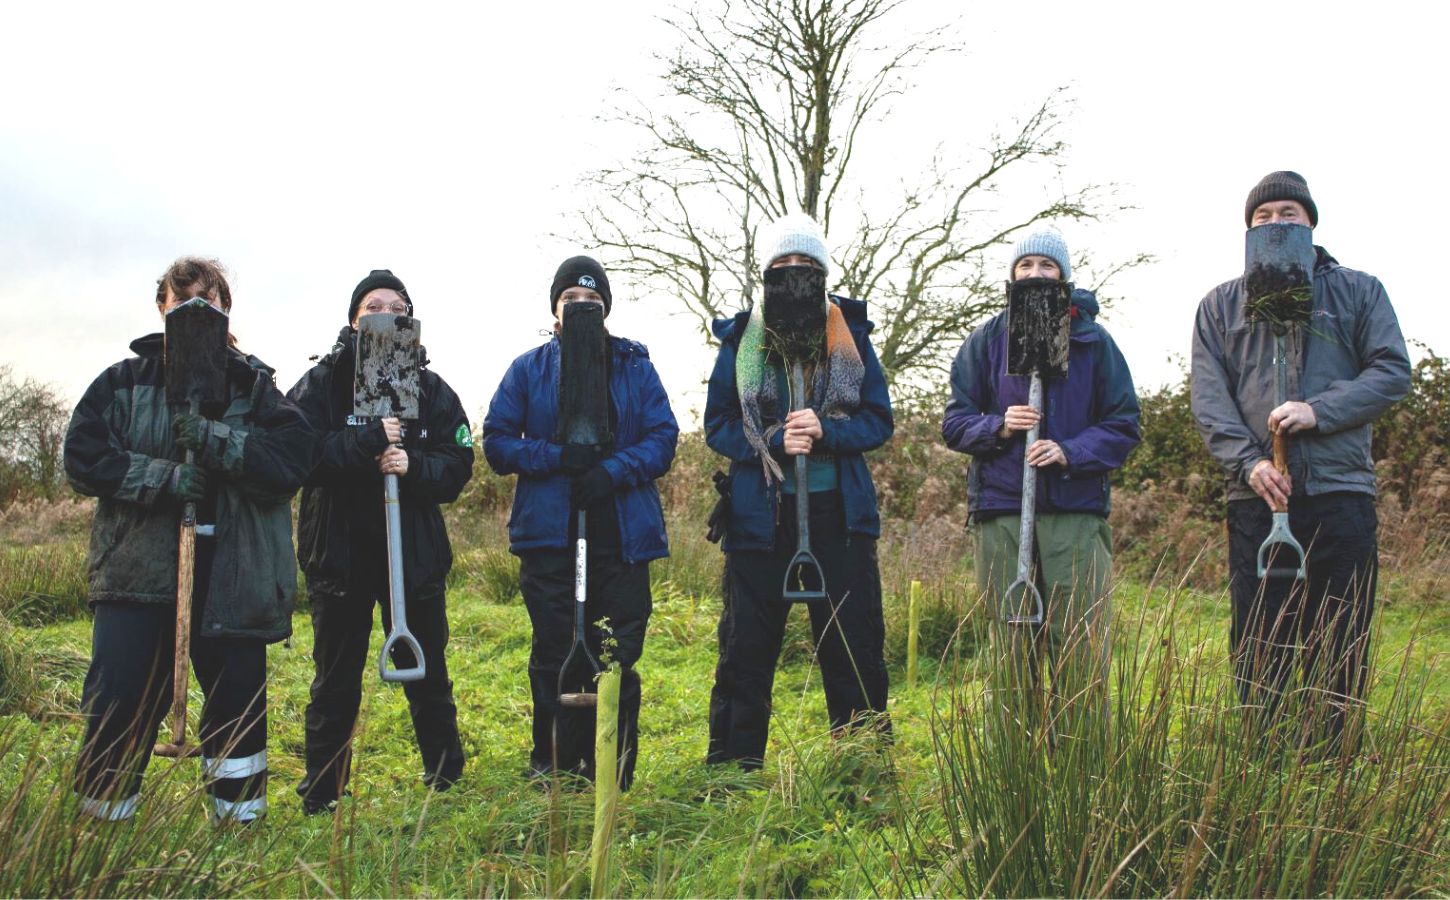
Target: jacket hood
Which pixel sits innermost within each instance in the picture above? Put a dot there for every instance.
(1086, 302)
(150, 346)
(729, 329)
(153, 346)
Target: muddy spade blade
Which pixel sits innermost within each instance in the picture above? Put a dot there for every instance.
(1279, 274)
(583, 377)
(388, 357)
(195, 355)
(1038, 321)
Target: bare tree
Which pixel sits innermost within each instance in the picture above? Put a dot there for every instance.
(33, 419)
(768, 103)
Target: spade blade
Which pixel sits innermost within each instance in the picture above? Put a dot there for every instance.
(388, 358)
(583, 377)
(195, 354)
(1279, 273)
(1038, 321)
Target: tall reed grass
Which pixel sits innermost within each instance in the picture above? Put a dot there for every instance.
(1179, 791)
(43, 583)
(169, 849)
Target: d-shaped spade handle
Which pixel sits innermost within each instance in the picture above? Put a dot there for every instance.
(1012, 602)
(1283, 539)
(401, 635)
(803, 565)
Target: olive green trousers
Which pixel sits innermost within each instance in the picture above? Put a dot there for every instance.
(1059, 668)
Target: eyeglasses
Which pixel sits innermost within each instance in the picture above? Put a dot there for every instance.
(397, 308)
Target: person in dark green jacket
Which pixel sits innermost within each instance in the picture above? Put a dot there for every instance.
(252, 453)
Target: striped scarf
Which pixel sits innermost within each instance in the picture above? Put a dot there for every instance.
(834, 387)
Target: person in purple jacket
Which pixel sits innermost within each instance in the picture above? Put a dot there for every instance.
(1089, 425)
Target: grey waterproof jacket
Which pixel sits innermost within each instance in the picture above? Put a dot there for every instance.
(1349, 363)
(119, 448)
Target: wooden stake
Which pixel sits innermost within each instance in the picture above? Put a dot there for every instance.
(913, 632)
(606, 781)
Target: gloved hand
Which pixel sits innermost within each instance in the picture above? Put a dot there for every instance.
(591, 487)
(578, 458)
(191, 431)
(187, 482)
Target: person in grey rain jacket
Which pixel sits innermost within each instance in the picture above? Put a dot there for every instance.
(1346, 368)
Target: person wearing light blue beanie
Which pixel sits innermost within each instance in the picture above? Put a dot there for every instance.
(1089, 425)
(1045, 242)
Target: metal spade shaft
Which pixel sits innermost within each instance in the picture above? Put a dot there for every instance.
(1025, 586)
(397, 599)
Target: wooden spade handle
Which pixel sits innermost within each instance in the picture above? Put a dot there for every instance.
(181, 660)
(1281, 453)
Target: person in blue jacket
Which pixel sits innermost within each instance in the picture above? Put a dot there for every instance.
(847, 412)
(625, 523)
(1089, 425)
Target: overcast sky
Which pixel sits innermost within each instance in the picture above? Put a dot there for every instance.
(305, 144)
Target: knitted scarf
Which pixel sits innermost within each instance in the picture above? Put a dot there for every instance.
(834, 389)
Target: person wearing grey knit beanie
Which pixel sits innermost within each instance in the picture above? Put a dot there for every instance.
(795, 235)
(1089, 422)
(1041, 254)
(1346, 367)
(765, 422)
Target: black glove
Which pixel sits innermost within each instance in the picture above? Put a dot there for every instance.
(591, 487)
(187, 482)
(191, 431)
(577, 458)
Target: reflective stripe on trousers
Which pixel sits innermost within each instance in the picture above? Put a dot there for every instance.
(111, 810)
(237, 767)
(237, 810)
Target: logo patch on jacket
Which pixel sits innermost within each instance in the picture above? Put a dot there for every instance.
(463, 436)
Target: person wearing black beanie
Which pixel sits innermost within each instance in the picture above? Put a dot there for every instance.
(376, 279)
(1345, 368)
(612, 484)
(342, 549)
(581, 272)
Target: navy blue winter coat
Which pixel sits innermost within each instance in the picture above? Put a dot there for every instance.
(517, 435)
(753, 505)
(1092, 415)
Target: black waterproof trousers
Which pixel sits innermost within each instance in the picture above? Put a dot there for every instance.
(127, 695)
(342, 624)
(616, 591)
(849, 633)
(1317, 628)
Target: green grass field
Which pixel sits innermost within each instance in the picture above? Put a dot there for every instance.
(827, 817)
